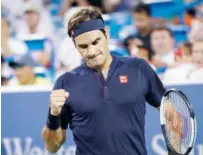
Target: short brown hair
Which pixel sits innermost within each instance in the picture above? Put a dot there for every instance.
(162, 28)
(83, 15)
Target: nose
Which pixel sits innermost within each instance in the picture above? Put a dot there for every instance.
(91, 51)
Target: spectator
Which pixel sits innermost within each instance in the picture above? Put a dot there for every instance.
(110, 6)
(24, 72)
(192, 72)
(68, 4)
(184, 53)
(67, 56)
(36, 30)
(163, 45)
(196, 32)
(131, 44)
(144, 53)
(189, 16)
(10, 46)
(4, 79)
(197, 55)
(35, 21)
(135, 49)
(143, 23)
(15, 7)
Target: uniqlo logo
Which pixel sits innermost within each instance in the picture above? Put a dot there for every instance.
(123, 78)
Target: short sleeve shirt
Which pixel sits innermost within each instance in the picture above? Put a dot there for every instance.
(107, 117)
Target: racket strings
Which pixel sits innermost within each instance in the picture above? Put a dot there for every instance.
(178, 124)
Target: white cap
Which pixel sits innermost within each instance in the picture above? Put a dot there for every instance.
(31, 6)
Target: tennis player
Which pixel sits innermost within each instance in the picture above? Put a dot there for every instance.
(103, 100)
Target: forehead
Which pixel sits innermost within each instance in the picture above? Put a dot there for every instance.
(30, 12)
(198, 45)
(141, 15)
(89, 37)
(160, 33)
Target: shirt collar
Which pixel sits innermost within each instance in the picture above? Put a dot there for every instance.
(86, 69)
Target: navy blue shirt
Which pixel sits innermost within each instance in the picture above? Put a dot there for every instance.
(107, 117)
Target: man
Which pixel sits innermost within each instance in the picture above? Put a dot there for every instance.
(163, 45)
(68, 57)
(4, 79)
(188, 71)
(145, 54)
(10, 46)
(103, 100)
(33, 29)
(143, 23)
(197, 55)
(24, 68)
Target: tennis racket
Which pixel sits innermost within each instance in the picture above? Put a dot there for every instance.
(178, 122)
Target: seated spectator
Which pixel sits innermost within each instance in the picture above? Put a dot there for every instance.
(25, 72)
(4, 78)
(144, 53)
(10, 46)
(37, 31)
(196, 31)
(4, 81)
(67, 55)
(33, 22)
(131, 44)
(143, 23)
(189, 16)
(188, 71)
(163, 45)
(136, 49)
(184, 54)
(197, 55)
(69, 4)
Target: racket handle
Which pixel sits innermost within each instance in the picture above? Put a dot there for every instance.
(171, 153)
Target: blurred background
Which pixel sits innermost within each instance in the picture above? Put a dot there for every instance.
(168, 34)
(36, 50)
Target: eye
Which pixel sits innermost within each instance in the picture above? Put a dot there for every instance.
(95, 42)
(83, 46)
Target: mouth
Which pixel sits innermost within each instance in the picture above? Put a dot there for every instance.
(92, 58)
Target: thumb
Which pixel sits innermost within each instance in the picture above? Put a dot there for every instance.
(66, 94)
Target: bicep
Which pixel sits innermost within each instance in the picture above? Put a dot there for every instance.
(155, 87)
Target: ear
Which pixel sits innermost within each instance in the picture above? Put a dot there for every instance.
(106, 29)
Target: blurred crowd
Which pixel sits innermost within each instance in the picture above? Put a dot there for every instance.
(36, 48)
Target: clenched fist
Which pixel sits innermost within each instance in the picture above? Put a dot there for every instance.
(57, 100)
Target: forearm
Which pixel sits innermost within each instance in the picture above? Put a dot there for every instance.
(53, 138)
(6, 51)
(44, 58)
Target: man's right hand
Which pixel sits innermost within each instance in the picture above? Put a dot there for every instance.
(57, 100)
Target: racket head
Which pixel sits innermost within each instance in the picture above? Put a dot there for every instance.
(185, 122)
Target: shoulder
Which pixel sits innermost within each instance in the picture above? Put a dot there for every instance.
(43, 81)
(134, 62)
(18, 46)
(74, 72)
(137, 65)
(67, 78)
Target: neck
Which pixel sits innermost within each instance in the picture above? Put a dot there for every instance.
(31, 80)
(146, 31)
(33, 29)
(107, 64)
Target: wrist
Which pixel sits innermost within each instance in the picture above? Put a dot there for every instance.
(53, 121)
(55, 112)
